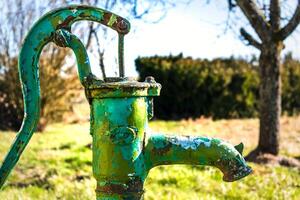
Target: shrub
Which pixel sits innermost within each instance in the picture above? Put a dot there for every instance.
(218, 88)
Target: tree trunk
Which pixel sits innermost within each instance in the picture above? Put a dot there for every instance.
(270, 98)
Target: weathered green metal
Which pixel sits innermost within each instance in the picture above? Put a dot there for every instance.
(64, 38)
(44, 31)
(123, 149)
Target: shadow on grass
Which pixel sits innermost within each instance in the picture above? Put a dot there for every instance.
(36, 178)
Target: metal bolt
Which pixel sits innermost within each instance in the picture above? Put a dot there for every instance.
(150, 79)
(122, 26)
(123, 135)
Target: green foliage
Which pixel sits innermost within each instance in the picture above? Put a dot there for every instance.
(291, 85)
(220, 88)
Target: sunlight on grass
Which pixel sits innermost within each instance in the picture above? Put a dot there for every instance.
(57, 165)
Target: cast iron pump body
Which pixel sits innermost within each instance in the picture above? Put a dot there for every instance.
(123, 150)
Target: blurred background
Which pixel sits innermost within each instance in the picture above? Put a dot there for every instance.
(208, 57)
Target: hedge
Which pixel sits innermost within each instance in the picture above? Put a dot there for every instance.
(218, 88)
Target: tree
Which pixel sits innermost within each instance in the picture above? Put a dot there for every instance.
(130, 9)
(54, 73)
(266, 21)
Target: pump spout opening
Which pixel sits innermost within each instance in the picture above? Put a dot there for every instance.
(236, 168)
(237, 174)
(166, 150)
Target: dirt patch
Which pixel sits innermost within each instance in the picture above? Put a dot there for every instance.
(34, 177)
(80, 177)
(238, 130)
(269, 159)
(89, 146)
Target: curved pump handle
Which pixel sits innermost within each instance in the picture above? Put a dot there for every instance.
(54, 27)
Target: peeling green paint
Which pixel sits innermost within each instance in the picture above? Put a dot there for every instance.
(132, 154)
(123, 149)
(112, 20)
(43, 32)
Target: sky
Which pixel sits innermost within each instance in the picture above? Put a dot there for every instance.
(196, 30)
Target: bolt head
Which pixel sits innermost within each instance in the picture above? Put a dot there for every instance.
(123, 135)
(123, 26)
(150, 79)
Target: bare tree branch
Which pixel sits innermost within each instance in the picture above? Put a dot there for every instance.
(231, 5)
(101, 56)
(89, 39)
(250, 39)
(275, 15)
(255, 17)
(291, 25)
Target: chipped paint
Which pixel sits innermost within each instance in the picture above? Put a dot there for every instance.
(190, 142)
(74, 10)
(123, 151)
(112, 20)
(41, 34)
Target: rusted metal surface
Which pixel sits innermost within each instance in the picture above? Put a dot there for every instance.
(123, 149)
(121, 55)
(44, 31)
(64, 38)
(197, 150)
(119, 118)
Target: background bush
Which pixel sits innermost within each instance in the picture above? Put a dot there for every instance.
(218, 88)
(59, 86)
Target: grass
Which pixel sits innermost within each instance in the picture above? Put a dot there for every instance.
(57, 165)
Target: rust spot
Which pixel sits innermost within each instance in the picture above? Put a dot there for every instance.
(162, 150)
(66, 23)
(3, 173)
(106, 17)
(121, 25)
(134, 186)
(83, 7)
(83, 15)
(19, 147)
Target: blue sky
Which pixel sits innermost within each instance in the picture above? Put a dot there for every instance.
(196, 30)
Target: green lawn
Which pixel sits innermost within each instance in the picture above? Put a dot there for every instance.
(57, 165)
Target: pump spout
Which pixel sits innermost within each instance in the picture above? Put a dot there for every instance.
(162, 149)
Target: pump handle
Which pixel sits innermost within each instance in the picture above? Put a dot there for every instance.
(54, 26)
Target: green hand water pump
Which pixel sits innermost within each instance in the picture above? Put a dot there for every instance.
(123, 149)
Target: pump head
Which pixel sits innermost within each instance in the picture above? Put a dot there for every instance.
(55, 27)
